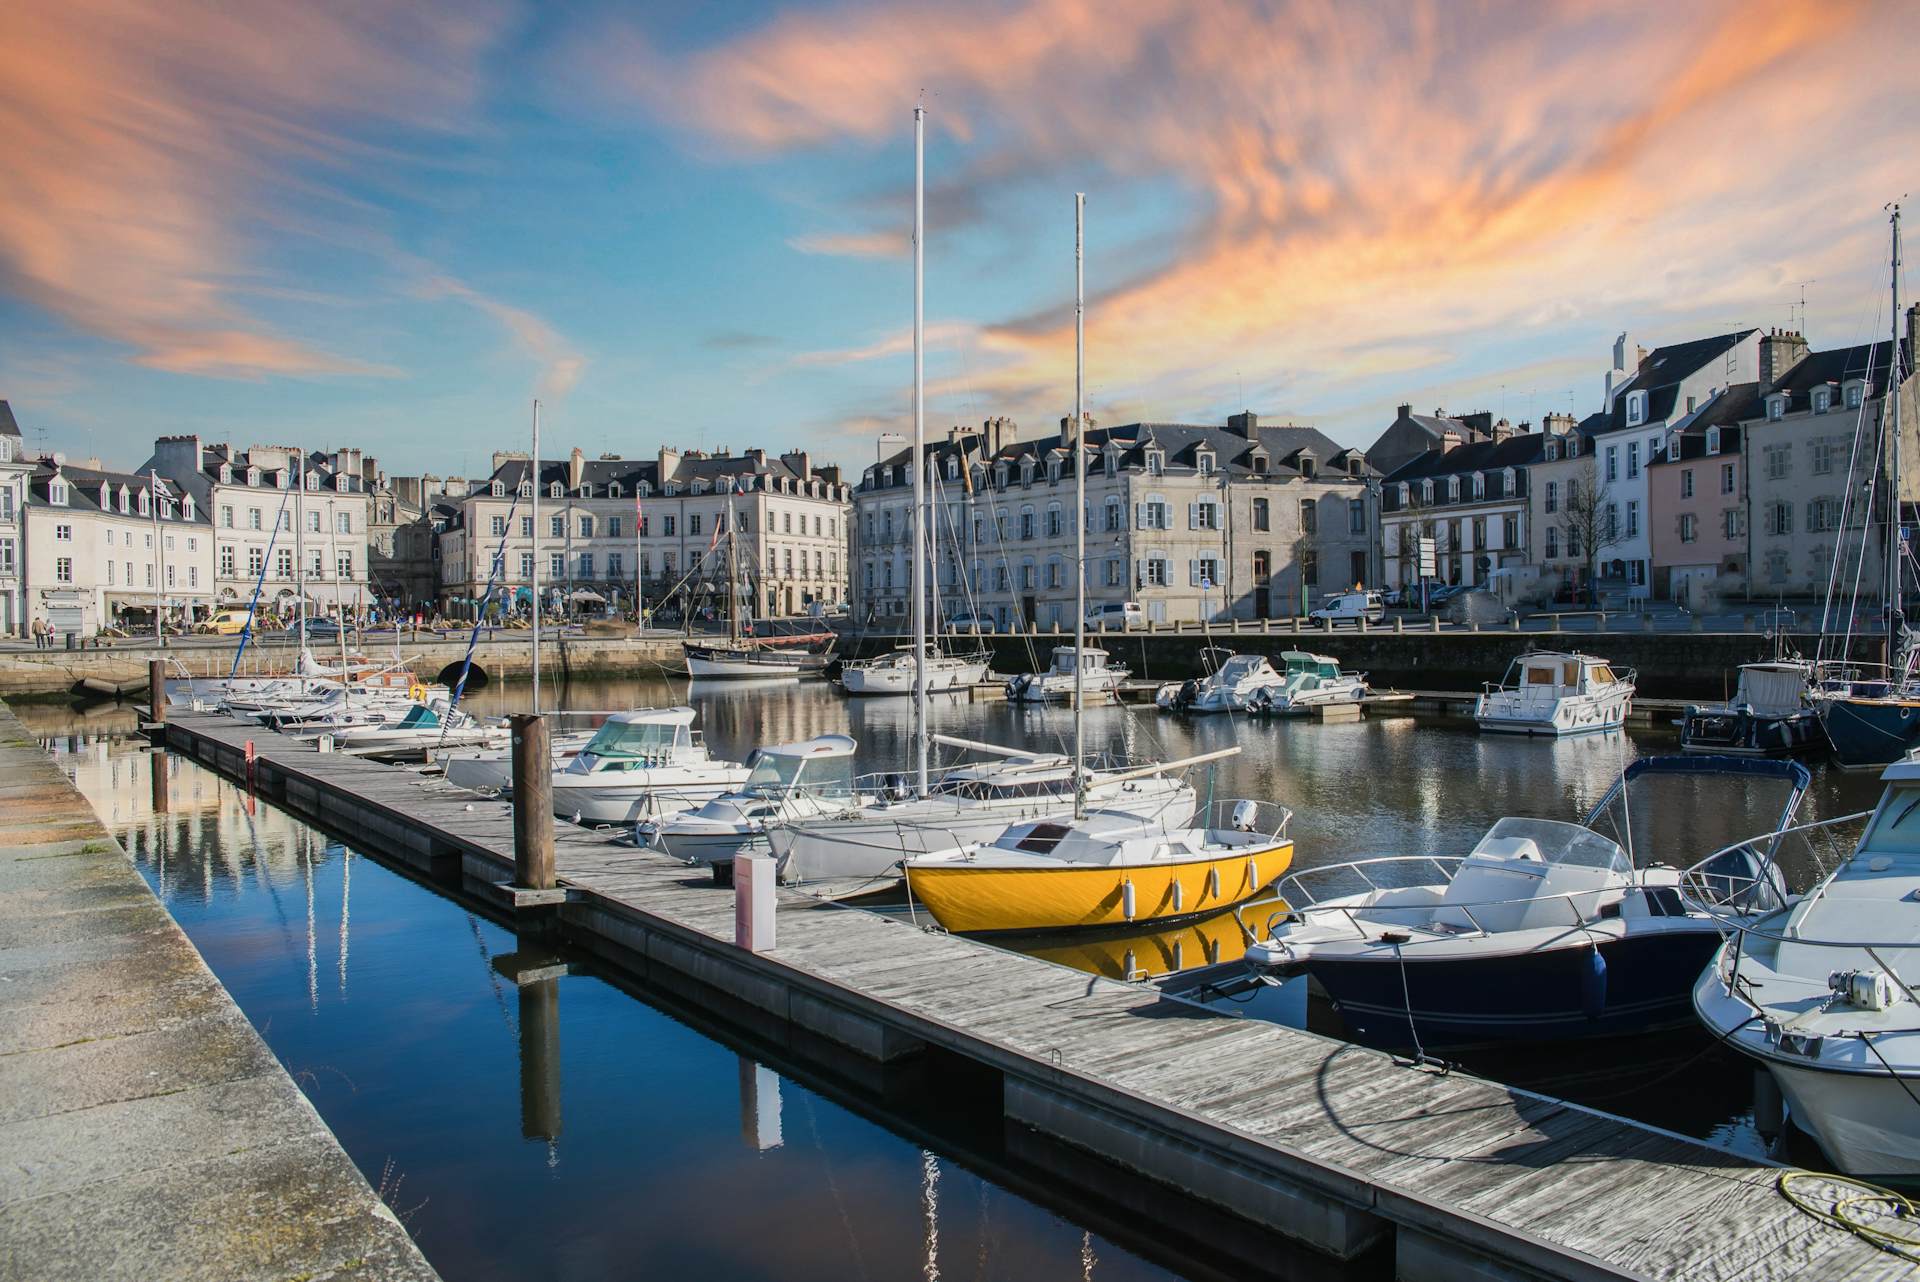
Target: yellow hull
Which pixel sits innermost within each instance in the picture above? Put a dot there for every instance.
(1154, 948)
(976, 898)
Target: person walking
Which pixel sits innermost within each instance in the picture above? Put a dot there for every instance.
(40, 629)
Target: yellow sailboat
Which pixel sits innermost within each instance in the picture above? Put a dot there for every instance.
(1104, 869)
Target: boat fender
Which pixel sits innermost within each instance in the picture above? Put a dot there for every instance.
(1179, 895)
(1213, 882)
(1593, 984)
(1126, 899)
(1253, 873)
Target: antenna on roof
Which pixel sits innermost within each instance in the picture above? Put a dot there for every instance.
(1803, 304)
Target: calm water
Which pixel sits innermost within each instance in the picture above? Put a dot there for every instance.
(647, 1136)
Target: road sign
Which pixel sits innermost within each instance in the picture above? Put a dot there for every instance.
(1429, 559)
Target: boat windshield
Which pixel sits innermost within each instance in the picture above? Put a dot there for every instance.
(1896, 830)
(773, 773)
(420, 715)
(1558, 843)
(637, 739)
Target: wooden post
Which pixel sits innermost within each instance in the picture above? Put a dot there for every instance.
(157, 689)
(532, 803)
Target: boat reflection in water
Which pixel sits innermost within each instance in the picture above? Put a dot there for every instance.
(1142, 953)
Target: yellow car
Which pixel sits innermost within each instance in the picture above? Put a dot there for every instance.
(225, 623)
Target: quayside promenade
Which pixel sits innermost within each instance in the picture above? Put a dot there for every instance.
(1342, 1149)
(147, 1132)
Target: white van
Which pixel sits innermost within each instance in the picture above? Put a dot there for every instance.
(1115, 615)
(1348, 607)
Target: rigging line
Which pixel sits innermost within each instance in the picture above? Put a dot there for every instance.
(1868, 325)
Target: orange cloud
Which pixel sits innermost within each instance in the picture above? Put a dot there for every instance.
(560, 364)
(1381, 187)
(142, 140)
(872, 244)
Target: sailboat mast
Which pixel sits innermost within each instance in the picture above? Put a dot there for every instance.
(919, 522)
(1895, 370)
(1079, 502)
(533, 474)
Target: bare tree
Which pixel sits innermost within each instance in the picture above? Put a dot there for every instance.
(1588, 522)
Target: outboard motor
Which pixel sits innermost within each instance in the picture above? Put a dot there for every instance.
(1244, 815)
(1189, 691)
(1017, 686)
(898, 789)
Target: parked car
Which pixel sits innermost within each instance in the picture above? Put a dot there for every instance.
(317, 627)
(1349, 607)
(1477, 604)
(972, 621)
(225, 623)
(1118, 616)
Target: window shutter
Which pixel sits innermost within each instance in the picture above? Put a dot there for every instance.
(1140, 571)
(1139, 516)
(1193, 573)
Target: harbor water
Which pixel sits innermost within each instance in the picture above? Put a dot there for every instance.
(605, 1129)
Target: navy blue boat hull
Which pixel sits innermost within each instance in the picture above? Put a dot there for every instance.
(1866, 734)
(1744, 734)
(1542, 996)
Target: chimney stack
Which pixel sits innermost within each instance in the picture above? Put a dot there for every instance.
(1406, 411)
(1245, 424)
(1780, 351)
(1502, 430)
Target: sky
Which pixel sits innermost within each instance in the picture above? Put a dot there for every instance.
(686, 224)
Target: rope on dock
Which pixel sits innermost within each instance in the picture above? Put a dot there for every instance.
(1887, 1219)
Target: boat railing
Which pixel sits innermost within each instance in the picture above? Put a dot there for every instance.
(1269, 819)
(1304, 905)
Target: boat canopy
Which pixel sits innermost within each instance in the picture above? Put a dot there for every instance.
(650, 732)
(1242, 666)
(1063, 658)
(1319, 665)
(1772, 689)
(419, 716)
(1562, 673)
(824, 762)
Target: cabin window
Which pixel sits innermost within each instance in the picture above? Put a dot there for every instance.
(1540, 677)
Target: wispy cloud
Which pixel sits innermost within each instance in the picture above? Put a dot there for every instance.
(1429, 180)
(561, 364)
(870, 244)
(143, 143)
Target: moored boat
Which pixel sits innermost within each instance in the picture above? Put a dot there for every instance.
(784, 783)
(1311, 681)
(1769, 714)
(1105, 869)
(1231, 683)
(1547, 692)
(642, 763)
(893, 673)
(1100, 679)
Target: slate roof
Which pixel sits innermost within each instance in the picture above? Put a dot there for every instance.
(1836, 367)
(1181, 443)
(8, 427)
(1518, 450)
(83, 492)
(1661, 373)
(629, 473)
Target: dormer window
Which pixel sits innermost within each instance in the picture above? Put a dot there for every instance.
(1426, 491)
(1306, 465)
(554, 490)
(186, 507)
(1204, 461)
(698, 487)
(226, 474)
(311, 481)
(586, 489)
(126, 499)
(1713, 440)
(1156, 463)
(146, 503)
(1026, 471)
(1636, 408)
(1479, 485)
(953, 469)
(1856, 392)
(1257, 462)
(1776, 407)
(57, 493)
(253, 476)
(1550, 451)
(498, 489)
(340, 483)
(613, 489)
(642, 490)
(1053, 471)
(670, 489)
(1000, 476)
(1573, 447)
(1822, 399)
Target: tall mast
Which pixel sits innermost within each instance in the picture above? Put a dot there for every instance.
(1894, 514)
(919, 522)
(300, 540)
(1079, 501)
(159, 557)
(533, 474)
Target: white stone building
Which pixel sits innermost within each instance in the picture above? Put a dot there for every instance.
(280, 520)
(107, 548)
(14, 470)
(611, 525)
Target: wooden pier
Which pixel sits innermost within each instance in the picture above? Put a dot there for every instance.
(1338, 1147)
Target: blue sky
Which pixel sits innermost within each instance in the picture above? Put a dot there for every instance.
(684, 225)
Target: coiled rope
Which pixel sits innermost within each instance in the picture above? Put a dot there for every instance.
(1887, 1219)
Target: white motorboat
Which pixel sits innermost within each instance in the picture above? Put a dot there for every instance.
(1822, 992)
(1311, 680)
(1551, 693)
(789, 782)
(893, 673)
(1100, 678)
(1546, 930)
(973, 802)
(490, 770)
(424, 727)
(642, 764)
(1229, 686)
(1771, 714)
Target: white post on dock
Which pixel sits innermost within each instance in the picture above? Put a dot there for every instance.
(753, 883)
(533, 473)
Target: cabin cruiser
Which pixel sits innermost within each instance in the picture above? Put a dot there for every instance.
(638, 764)
(1100, 679)
(1544, 930)
(490, 770)
(893, 673)
(1105, 869)
(1768, 716)
(1310, 681)
(1822, 991)
(1230, 685)
(1550, 693)
(971, 802)
(785, 783)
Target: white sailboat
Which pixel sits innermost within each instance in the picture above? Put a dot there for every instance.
(976, 802)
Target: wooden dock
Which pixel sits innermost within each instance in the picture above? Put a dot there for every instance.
(1341, 1148)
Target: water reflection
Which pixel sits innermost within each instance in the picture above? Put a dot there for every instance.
(527, 1117)
(1145, 954)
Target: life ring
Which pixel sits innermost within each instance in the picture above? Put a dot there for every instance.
(417, 692)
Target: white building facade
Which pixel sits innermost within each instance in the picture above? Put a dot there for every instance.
(112, 548)
(14, 470)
